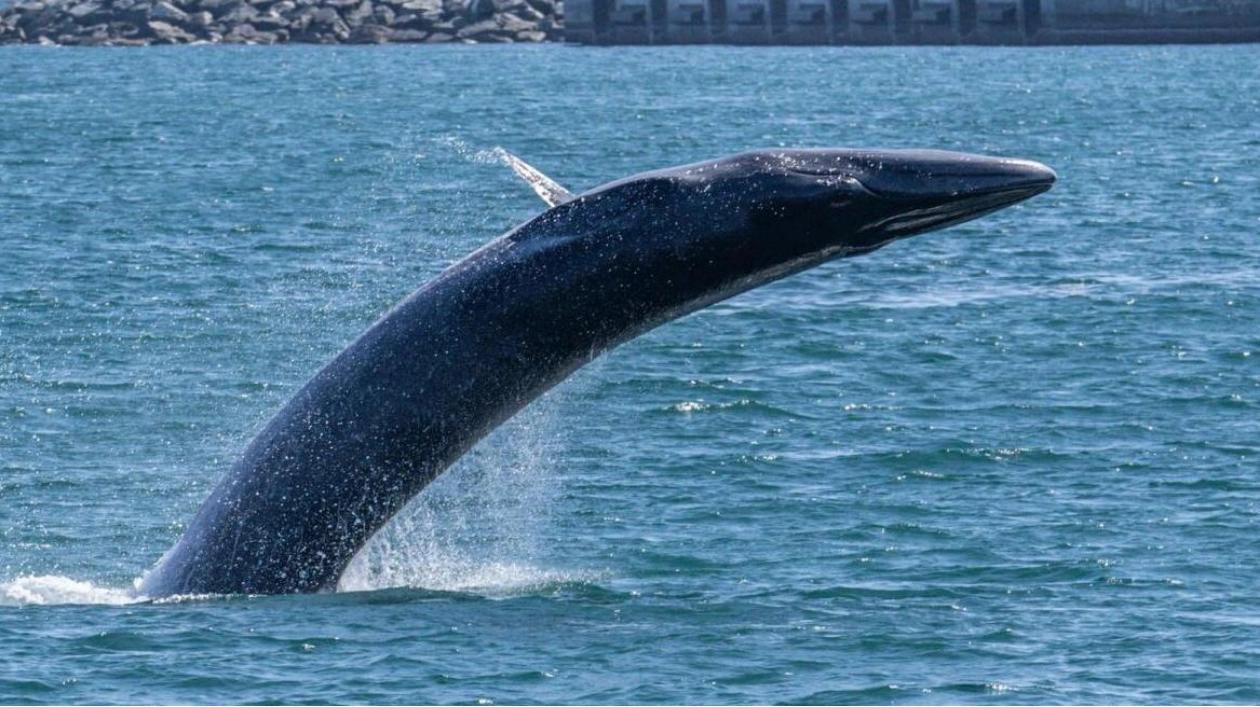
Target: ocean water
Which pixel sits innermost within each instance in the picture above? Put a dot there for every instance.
(1011, 462)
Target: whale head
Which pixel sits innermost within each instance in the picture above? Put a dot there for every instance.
(820, 204)
(703, 232)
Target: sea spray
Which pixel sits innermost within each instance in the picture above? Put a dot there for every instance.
(52, 589)
(481, 526)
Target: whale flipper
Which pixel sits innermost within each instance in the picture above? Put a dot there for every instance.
(544, 186)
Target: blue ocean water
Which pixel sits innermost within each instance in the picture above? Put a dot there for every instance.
(1011, 462)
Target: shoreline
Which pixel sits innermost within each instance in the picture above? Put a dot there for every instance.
(132, 23)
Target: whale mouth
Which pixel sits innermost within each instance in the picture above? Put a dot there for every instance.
(957, 208)
(947, 197)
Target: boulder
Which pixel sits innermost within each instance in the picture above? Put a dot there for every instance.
(409, 21)
(357, 15)
(325, 17)
(405, 36)
(166, 33)
(124, 30)
(452, 25)
(165, 12)
(246, 33)
(526, 11)
(513, 24)
(242, 13)
(328, 25)
(545, 7)
(531, 35)
(369, 34)
(217, 7)
(269, 23)
(83, 10)
(478, 29)
(200, 19)
(421, 7)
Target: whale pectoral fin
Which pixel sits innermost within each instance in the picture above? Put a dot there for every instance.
(544, 186)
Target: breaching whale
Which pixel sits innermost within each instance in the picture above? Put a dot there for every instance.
(494, 331)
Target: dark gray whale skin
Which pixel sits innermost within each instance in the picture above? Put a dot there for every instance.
(494, 331)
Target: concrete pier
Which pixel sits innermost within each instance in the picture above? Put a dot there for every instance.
(883, 22)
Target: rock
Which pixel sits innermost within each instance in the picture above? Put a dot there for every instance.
(547, 8)
(369, 34)
(245, 33)
(325, 16)
(242, 13)
(300, 20)
(531, 35)
(81, 11)
(124, 30)
(439, 37)
(422, 6)
(513, 24)
(383, 15)
(480, 9)
(217, 7)
(200, 19)
(406, 35)
(410, 22)
(165, 12)
(166, 33)
(328, 25)
(283, 8)
(483, 27)
(452, 25)
(269, 23)
(527, 12)
(357, 15)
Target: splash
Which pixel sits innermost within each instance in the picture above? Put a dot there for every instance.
(494, 155)
(51, 590)
(479, 528)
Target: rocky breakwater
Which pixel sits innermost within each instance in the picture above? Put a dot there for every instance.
(145, 22)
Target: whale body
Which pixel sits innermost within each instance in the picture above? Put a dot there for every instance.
(494, 331)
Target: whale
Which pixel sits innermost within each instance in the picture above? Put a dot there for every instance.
(467, 350)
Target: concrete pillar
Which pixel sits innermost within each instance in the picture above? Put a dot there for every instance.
(748, 21)
(687, 22)
(809, 22)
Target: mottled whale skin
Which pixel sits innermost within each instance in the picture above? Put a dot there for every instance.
(494, 331)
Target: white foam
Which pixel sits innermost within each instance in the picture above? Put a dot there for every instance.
(50, 589)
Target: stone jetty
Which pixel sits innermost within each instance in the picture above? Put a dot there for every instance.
(146, 22)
